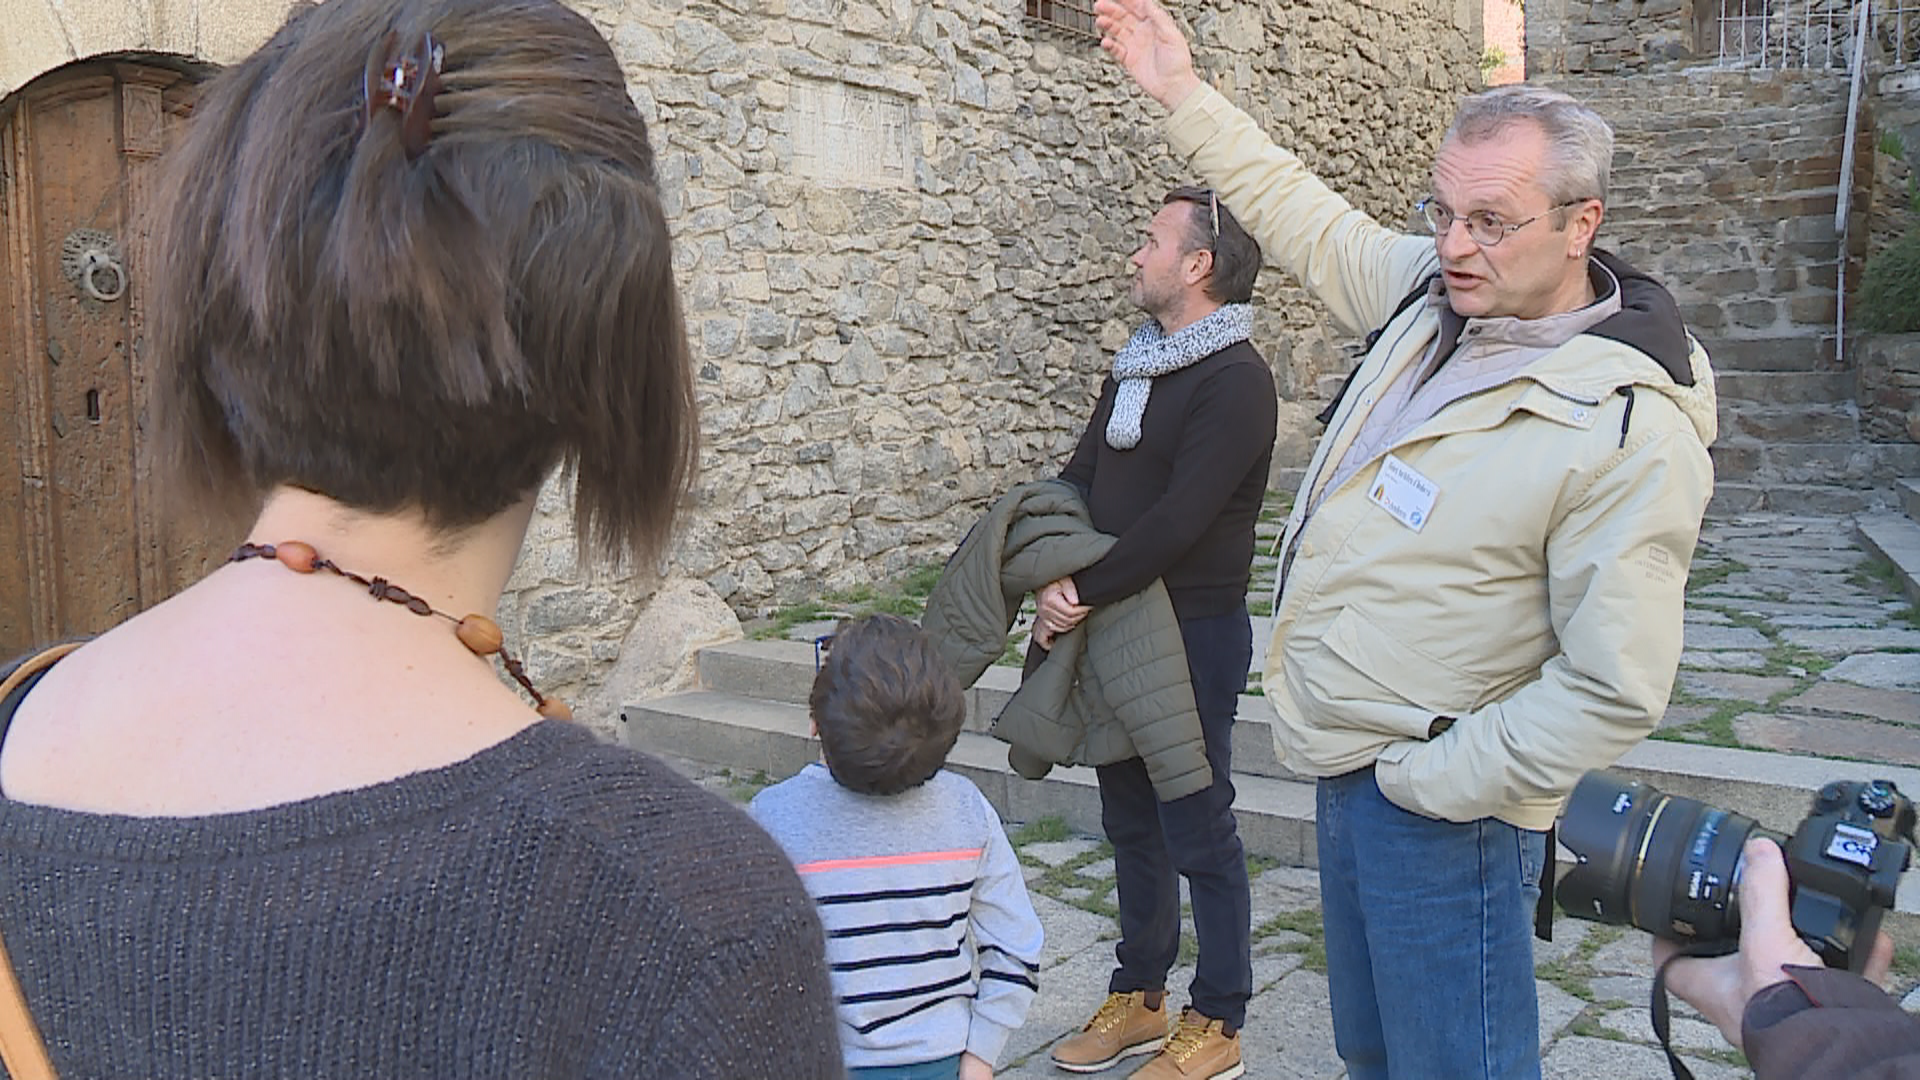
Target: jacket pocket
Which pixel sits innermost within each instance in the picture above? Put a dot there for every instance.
(1358, 675)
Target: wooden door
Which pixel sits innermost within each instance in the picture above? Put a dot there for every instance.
(83, 544)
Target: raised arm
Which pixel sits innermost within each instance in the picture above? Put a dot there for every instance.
(1352, 264)
(1149, 45)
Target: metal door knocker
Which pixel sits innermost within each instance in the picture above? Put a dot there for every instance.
(91, 260)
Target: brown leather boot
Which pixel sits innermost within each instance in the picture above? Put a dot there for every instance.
(1198, 1049)
(1123, 1026)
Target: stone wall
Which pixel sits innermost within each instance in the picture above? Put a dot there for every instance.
(901, 235)
(43, 34)
(1580, 36)
(879, 356)
(1889, 385)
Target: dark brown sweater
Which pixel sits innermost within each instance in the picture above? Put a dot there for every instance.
(1184, 501)
(1829, 1025)
(551, 907)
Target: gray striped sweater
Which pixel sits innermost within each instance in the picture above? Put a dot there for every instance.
(932, 942)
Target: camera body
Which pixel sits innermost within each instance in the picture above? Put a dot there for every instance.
(1671, 865)
(1845, 861)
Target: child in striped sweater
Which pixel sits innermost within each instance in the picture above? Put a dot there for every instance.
(931, 939)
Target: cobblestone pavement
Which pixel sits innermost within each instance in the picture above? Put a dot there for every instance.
(1592, 981)
(1797, 642)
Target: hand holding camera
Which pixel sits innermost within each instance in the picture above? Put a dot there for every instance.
(1672, 866)
(1683, 871)
(1720, 987)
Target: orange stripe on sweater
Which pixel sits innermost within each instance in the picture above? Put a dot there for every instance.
(914, 859)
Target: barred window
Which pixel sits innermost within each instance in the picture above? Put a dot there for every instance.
(1073, 16)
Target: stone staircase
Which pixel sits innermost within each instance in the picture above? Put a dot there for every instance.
(750, 714)
(1724, 187)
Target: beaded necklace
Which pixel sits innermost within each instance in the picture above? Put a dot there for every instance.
(478, 633)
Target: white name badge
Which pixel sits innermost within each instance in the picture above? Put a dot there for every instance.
(1400, 490)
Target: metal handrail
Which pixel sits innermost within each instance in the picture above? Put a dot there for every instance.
(1843, 203)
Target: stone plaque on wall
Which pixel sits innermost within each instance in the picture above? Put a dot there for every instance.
(850, 135)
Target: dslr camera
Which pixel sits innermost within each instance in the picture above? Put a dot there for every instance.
(1671, 865)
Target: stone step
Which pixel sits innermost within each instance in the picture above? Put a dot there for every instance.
(1740, 125)
(1907, 490)
(1734, 354)
(1790, 164)
(1683, 91)
(1895, 537)
(1795, 223)
(1853, 464)
(1785, 387)
(1732, 498)
(782, 672)
(1790, 423)
(1276, 816)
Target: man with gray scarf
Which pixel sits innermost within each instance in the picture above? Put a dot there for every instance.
(1174, 463)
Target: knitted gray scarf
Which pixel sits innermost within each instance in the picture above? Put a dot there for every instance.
(1153, 352)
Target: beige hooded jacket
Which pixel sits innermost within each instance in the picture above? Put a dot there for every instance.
(1538, 605)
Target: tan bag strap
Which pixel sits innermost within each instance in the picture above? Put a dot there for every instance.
(21, 1049)
(34, 665)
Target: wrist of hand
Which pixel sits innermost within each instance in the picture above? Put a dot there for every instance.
(1178, 90)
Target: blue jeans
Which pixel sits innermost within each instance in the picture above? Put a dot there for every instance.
(1429, 938)
(944, 1069)
(1196, 837)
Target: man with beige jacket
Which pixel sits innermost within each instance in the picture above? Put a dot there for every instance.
(1484, 575)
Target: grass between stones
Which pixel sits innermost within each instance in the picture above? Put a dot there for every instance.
(1096, 893)
(1783, 659)
(1275, 508)
(743, 787)
(1573, 972)
(1044, 830)
(1068, 885)
(1906, 965)
(1719, 570)
(905, 596)
(1875, 574)
(1306, 935)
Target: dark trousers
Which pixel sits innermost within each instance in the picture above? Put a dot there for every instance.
(1195, 837)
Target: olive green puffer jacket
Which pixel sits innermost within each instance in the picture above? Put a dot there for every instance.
(1114, 688)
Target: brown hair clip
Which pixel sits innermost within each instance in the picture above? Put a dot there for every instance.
(405, 82)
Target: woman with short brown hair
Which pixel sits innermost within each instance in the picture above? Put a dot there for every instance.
(290, 822)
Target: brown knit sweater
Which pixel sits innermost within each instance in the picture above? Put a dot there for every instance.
(551, 907)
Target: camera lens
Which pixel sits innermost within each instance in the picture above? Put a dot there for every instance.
(1666, 864)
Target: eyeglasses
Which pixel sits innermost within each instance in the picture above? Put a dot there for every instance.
(822, 646)
(1485, 227)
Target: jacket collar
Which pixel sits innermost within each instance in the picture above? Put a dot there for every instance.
(1658, 354)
